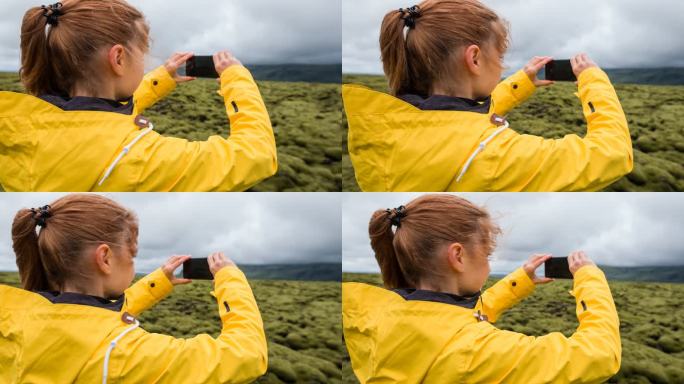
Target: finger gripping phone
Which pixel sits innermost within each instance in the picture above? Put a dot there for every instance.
(557, 268)
(197, 269)
(559, 70)
(201, 66)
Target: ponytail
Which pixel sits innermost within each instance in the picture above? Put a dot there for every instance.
(25, 245)
(382, 242)
(394, 53)
(37, 71)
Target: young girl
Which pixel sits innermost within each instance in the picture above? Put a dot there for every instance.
(81, 127)
(443, 126)
(75, 319)
(430, 324)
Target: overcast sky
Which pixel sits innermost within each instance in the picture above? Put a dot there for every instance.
(256, 31)
(250, 228)
(633, 229)
(615, 33)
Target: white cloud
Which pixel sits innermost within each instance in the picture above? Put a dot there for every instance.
(615, 33)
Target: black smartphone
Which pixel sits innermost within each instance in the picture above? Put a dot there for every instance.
(201, 66)
(197, 269)
(557, 268)
(559, 70)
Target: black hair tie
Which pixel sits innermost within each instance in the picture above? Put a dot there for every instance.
(409, 15)
(41, 214)
(52, 12)
(396, 214)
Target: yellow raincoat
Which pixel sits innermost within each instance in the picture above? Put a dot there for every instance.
(45, 148)
(395, 146)
(393, 340)
(42, 342)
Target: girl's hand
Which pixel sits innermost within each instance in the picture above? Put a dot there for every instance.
(217, 261)
(534, 262)
(534, 66)
(174, 62)
(224, 60)
(581, 62)
(577, 260)
(171, 265)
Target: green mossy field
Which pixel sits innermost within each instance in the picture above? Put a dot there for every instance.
(651, 325)
(653, 113)
(305, 117)
(303, 324)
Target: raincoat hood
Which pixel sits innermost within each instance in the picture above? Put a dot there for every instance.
(384, 332)
(36, 156)
(47, 331)
(396, 146)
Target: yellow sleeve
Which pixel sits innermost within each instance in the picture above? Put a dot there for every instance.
(146, 292)
(154, 86)
(591, 355)
(233, 163)
(512, 92)
(238, 355)
(505, 293)
(514, 162)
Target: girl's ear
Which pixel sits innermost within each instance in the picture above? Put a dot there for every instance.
(455, 255)
(103, 259)
(115, 59)
(473, 59)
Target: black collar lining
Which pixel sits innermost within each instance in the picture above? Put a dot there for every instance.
(447, 103)
(96, 104)
(81, 299)
(410, 294)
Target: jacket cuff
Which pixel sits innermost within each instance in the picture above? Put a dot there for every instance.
(233, 76)
(157, 284)
(520, 86)
(160, 81)
(586, 273)
(519, 283)
(590, 75)
(225, 275)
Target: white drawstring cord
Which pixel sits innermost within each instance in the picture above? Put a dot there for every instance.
(124, 151)
(479, 149)
(112, 344)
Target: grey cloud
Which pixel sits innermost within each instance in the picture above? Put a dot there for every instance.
(249, 228)
(614, 229)
(615, 33)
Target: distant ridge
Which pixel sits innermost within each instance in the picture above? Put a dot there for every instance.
(651, 76)
(669, 274)
(309, 73)
(304, 272)
(646, 76)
